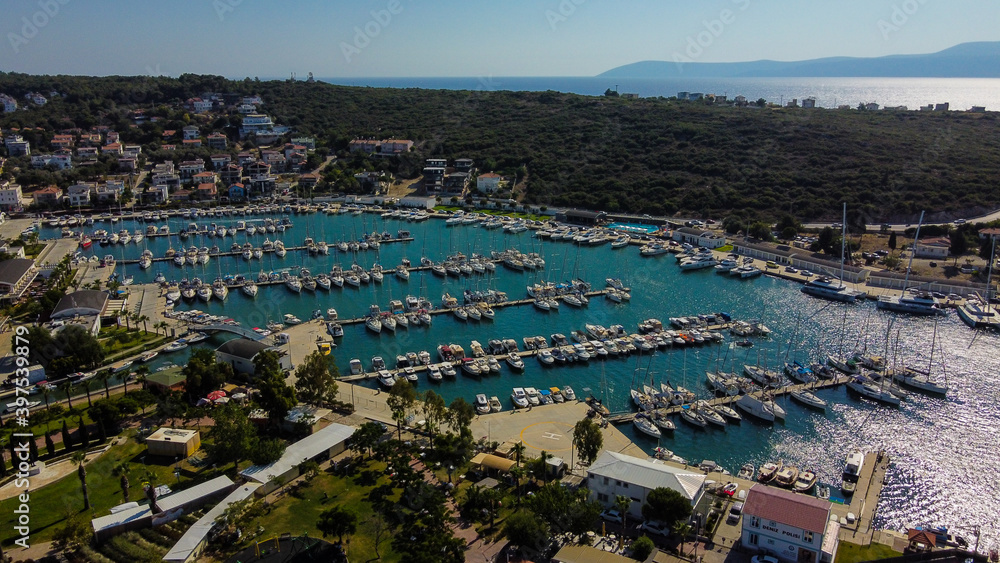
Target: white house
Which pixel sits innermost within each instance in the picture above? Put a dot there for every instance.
(255, 123)
(59, 161)
(616, 474)
(9, 103)
(10, 197)
(935, 247)
(17, 146)
(699, 237)
(488, 183)
(191, 132)
(78, 194)
(793, 527)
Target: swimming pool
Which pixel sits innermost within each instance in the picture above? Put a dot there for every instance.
(634, 227)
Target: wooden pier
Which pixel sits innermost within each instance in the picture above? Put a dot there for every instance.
(239, 252)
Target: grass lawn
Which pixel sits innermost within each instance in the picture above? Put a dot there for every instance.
(853, 553)
(298, 514)
(53, 503)
(725, 248)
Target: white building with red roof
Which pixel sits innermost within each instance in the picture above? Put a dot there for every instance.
(793, 527)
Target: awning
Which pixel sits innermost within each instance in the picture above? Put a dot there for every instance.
(490, 461)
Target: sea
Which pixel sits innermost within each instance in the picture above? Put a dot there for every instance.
(945, 461)
(960, 93)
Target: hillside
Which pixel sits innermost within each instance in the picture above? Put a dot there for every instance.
(968, 60)
(646, 156)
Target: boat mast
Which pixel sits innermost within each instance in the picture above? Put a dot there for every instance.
(843, 239)
(916, 237)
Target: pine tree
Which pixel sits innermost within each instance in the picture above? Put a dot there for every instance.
(84, 435)
(49, 446)
(33, 449)
(67, 440)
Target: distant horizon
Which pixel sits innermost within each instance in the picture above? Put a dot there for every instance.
(403, 38)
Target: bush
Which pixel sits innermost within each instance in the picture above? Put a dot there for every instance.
(641, 548)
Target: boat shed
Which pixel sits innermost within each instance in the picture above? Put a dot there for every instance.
(319, 447)
(140, 517)
(581, 217)
(192, 543)
(240, 353)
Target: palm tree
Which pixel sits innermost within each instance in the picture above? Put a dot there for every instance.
(122, 470)
(46, 393)
(518, 450)
(103, 376)
(142, 319)
(79, 457)
(517, 473)
(682, 529)
(86, 387)
(622, 503)
(163, 325)
(67, 387)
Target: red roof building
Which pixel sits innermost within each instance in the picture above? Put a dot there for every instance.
(791, 526)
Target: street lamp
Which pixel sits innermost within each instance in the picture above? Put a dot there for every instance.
(177, 473)
(450, 469)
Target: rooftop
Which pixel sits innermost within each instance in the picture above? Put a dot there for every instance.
(242, 348)
(800, 511)
(304, 449)
(11, 271)
(647, 473)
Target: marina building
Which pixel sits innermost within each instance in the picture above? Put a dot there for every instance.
(616, 474)
(699, 237)
(240, 353)
(793, 527)
(16, 275)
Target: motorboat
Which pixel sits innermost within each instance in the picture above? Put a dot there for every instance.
(335, 329)
(515, 362)
(291, 319)
(534, 398)
(852, 471)
(556, 394)
(176, 346)
(434, 373)
(806, 481)
(809, 399)
(386, 378)
(471, 367)
(786, 476)
(768, 471)
(568, 393)
(645, 425)
(482, 404)
(747, 472)
(546, 358)
(922, 303)
(519, 397)
(827, 287)
(495, 405)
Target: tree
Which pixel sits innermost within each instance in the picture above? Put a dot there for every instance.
(67, 441)
(622, 503)
(84, 434)
(121, 470)
(434, 410)
(317, 379)
(588, 439)
(761, 231)
(524, 529)
(666, 505)
(563, 509)
(460, 415)
(49, 446)
(401, 397)
(959, 244)
(233, 435)
(266, 450)
(276, 396)
(611, 93)
(518, 449)
(788, 233)
(892, 240)
(67, 388)
(76, 533)
(337, 521)
(824, 241)
(204, 374)
(81, 472)
(682, 529)
(309, 468)
(365, 437)
(641, 548)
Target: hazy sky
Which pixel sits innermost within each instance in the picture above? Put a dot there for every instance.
(362, 38)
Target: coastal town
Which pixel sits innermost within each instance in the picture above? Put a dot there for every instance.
(277, 434)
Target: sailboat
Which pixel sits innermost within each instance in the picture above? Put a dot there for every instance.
(920, 303)
(976, 310)
(830, 288)
(921, 379)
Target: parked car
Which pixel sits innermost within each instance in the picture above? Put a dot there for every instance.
(654, 527)
(734, 513)
(612, 515)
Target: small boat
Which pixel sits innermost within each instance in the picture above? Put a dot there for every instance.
(519, 398)
(356, 367)
(196, 338)
(495, 405)
(291, 319)
(807, 480)
(482, 404)
(568, 393)
(786, 476)
(515, 362)
(692, 416)
(148, 356)
(176, 346)
(664, 423)
(373, 324)
(768, 471)
(534, 398)
(747, 472)
(386, 378)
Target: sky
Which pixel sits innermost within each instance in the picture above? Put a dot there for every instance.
(469, 38)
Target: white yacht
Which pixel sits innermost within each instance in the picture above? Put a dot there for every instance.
(519, 398)
(922, 303)
(827, 287)
(643, 424)
(756, 407)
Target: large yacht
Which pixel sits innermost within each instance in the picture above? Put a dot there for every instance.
(827, 287)
(922, 303)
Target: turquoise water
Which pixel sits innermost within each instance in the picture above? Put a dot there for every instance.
(634, 227)
(946, 463)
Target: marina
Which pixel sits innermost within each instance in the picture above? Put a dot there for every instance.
(803, 328)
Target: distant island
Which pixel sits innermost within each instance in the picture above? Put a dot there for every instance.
(966, 60)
